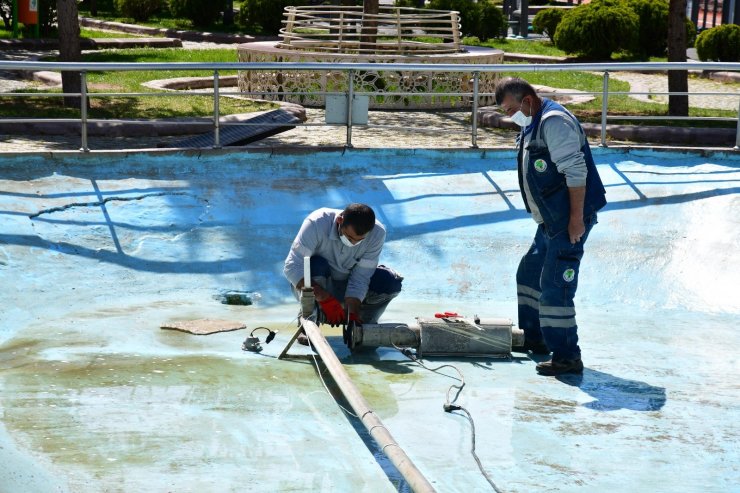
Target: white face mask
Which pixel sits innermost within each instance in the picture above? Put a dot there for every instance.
(348, 243)
(520, 118)
(345, 240)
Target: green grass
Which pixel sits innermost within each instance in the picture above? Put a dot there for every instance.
(94, 33)
(531, 47)
(545, 47)
(84, 33)
(142, 106)
(8, 34)
(618, 104)
(166, 21)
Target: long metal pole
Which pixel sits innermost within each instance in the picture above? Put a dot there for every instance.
(350, 100)
(476, 76)
(83, 111)
(524, 18)
(216, 113)
(737, 132)
(374, 425)
(604, 107)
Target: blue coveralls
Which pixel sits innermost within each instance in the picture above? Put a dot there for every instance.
(547, 276)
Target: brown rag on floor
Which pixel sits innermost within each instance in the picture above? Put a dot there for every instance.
(204, 326)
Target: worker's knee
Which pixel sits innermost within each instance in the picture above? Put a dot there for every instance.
(386, 281)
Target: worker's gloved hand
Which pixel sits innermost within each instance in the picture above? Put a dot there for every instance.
(354, 317)
(333, 311)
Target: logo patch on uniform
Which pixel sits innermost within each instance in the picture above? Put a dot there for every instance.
(569, 275)
(540, 165)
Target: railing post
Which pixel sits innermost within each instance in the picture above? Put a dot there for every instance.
(350, 99)
(455, 30)
(340, 39)
(604, 107)
(83, 112)
(737, 132)
(524, 18)
(216, 118)
(476, 77)
(398, 27)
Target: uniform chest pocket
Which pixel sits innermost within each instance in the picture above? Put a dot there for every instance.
(543, 171)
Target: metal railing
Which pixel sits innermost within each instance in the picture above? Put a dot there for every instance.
(474, 71)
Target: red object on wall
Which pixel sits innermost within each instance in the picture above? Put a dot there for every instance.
(28, 12)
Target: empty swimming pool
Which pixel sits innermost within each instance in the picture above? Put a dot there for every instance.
(98, 250)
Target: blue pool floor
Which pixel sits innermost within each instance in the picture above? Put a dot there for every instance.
(97, 251)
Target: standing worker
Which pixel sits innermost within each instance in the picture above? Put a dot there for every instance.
(562, 190)
(344, 246)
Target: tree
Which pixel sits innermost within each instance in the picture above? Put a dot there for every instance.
(678, 80)
(370, 24)
(69, 48)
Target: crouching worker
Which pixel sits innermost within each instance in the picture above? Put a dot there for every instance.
(344, 247)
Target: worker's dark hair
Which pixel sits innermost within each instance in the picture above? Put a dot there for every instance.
(360, 216)
(519, 88)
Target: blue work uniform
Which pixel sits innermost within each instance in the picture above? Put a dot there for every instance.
(553, 155)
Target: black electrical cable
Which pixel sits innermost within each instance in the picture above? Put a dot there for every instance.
(472, 449)
(270, 333)
(450, 406)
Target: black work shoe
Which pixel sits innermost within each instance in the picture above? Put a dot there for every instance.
(558, 367)
(538, 347)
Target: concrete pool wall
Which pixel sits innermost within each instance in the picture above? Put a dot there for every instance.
(97, 250)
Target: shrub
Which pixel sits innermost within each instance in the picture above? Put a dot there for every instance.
(266, 14)
(721, 44)
(139, 10)
(546, 21)
(598, 29)
(653, 31)
(690, 33)
(482, 19)
(199, 12)
(492, 22)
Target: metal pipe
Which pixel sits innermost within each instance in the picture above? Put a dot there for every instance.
(216, 117)
(459, 336)
(386, 335)
(604, 108)
(350, 100)
(370, 420)
(474, 136)
(374, 67)
(83, 112)
(737, 132)
(524, 18)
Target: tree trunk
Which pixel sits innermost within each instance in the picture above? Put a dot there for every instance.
(93, 7)
(69, 48)
(369, 26)
(678, 80)
(229, 13)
